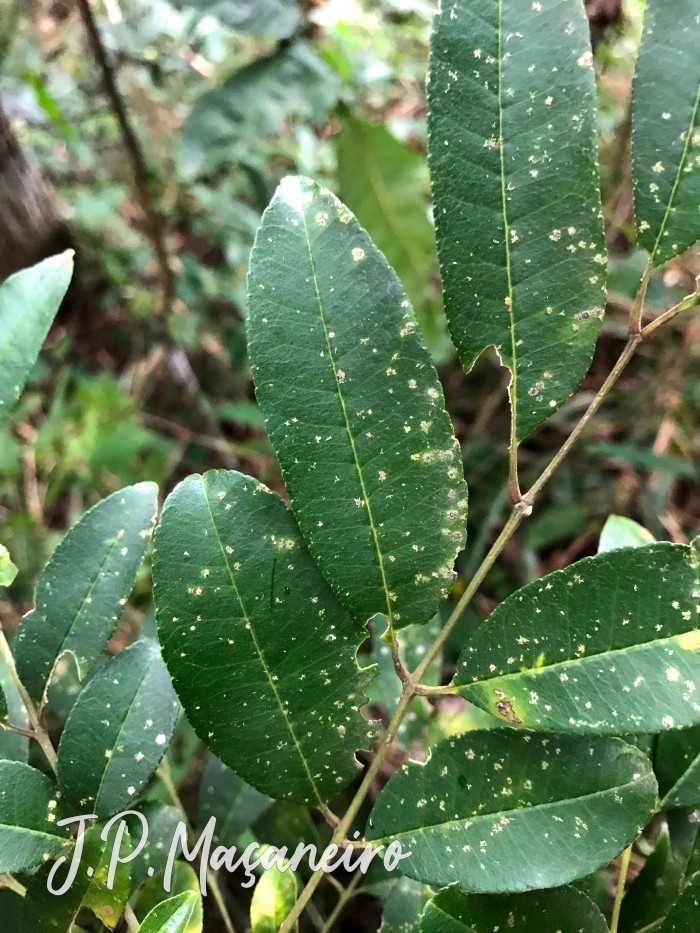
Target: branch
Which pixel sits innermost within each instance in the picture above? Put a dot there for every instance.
(155, 222)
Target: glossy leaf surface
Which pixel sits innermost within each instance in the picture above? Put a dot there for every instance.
(81, 592)
(666, 134)
(117, 731)
(29, 301)
(29, 812)
(273, 898)
(171, 916)
(500, 811)
(354, 409)
(247, 623)
(562, 910)
(608, 645)
(513, 156)
(184, 880)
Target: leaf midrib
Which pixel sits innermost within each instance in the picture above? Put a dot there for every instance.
(258, 650)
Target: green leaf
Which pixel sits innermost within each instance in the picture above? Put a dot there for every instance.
(235, 804)
(183, 881)
(29, 301)
(12, 746)
(385, 183)
(81, 592)
(354, 409)
(677, 766)
(162, 822)
(44, 912)
(247, 623)
(276, 18)
(273, 897)
(608, 645)
(499, 811)
(29, 813)
(513, 156)
(683, 916)
(173, 915)
(403, 906)
(619, 531)
(8, 571)
(563, 910)
(117, 731)
(643, 458)
(666, 133)
(253, 102)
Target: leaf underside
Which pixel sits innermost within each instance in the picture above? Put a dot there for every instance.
(247, 623)
(354, 409)
(500, 811)
(513, 157)
(608, 645)
(666, 133)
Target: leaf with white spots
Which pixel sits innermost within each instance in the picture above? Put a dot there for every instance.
(261, 653)
(117, 731)
(162, 822)
(677, 766)
(498, 811)
(82, 590)
(619, 531)
(354, 409)
(29, 301)
(173, 915)
(666, 130)
(561, 910)
(29, 813)
(683, 916)
(608, 645)
(235, 804)
(514, 162)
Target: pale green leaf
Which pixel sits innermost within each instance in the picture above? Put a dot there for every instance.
(513, 155)
(8, 571)
(666, 133)
(273, 898)
(499, 811)
(117, 731)
(29, 301)
(183, 881)
(247, 623)
(562, 910)
(81, 592)
(235, 804)
(354, 409)
(608, 645)
(619, 531)
(29, 812)
(173, 915)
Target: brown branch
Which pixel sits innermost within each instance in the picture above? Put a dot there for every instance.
(155, 222)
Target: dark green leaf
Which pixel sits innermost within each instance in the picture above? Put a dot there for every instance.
(117, 731)
(677, 766)
(500, 811)
(173, 915)
(563, 910)
(354, 409)
(8, 571)
(513, 155)
(619, 531)
(29, 301)
(291, 82)
(683, 916)
(183, 881)
(162, 823)
(235, 804)
(666, 135)
(644, 458)
(609, 645)
(247, 623)
(403, 905)
(29, 812)
(273, 898)
(12, 746)
(80, 594)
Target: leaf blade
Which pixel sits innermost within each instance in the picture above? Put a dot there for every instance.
(171, 916)
(29, 812)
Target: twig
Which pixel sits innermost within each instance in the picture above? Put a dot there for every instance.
(131, 919)
(155, 223)
(620, 892)
(12, 884)
(348, 894)
(689, 302)
(38, 733)
(635, 323)
(513, 480)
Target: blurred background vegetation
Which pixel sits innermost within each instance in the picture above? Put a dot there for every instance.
(149, 136)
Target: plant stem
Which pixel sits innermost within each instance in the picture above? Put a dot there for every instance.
(689, 302)
(346, 895)
(620, 892)
(155, 223)
(652, 926)
(37, 731)
(513, 480)
(131, 920)
(12, 884)
(635, 321)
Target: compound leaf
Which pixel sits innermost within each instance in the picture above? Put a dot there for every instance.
(666, 134)
(81, 591)
(562, 910)
(354, 409)
(499, 811)
(235, 804)
(29, 301)
(619, 531)
(677, 766)
(513, 156)
(247, 622)
(173, 915)
(117, 731)
(608, 645)
(29, 813)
